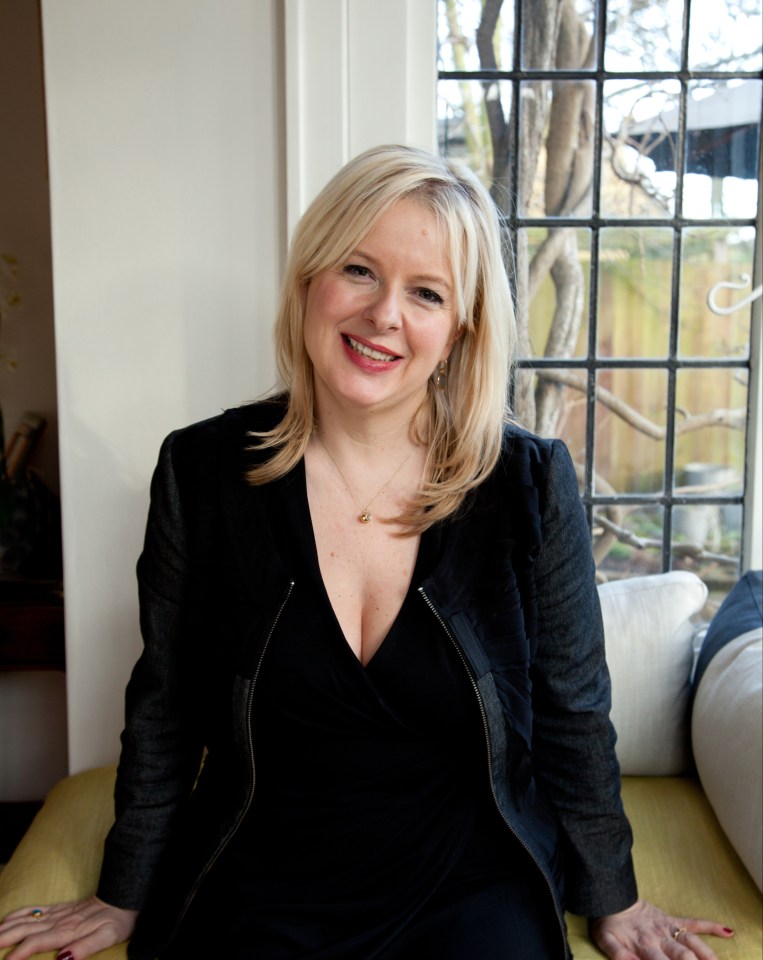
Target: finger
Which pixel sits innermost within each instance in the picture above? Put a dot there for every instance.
(696, 947)
(25, 912)
(48, 931)
(86, 946)
(100, 934)
(33, 920)
(14, 931)
(608, 943)
(25, 951)
(32, 945)
(706, 927)
(25, 916)
(51, 934)
(652, 951)
(686, 945)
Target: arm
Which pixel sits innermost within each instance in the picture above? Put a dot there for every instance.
(574, 743)
(573, 740)
(161, 745)
(160, 756)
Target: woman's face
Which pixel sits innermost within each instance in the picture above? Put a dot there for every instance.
(377, 325)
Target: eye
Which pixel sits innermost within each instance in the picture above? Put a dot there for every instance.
(430, 296)
(356, 270)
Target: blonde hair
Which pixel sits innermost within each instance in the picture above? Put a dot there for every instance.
(460, 425)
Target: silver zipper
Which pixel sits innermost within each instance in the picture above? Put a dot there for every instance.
(486, 730)
(252, 775)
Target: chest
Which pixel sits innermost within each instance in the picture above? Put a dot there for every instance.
(366, 571)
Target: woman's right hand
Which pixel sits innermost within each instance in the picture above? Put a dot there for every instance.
(77, 930)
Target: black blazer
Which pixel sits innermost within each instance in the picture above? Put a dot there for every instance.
(514, 591)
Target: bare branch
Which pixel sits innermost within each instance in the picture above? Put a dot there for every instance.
(472, 127)
(500, 130)
(693, 550)
(615, 512)
(733, 419)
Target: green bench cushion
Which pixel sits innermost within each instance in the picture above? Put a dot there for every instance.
(683, 861)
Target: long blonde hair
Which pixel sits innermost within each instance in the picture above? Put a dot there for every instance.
(460, 425)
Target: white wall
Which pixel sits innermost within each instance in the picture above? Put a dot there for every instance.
(166, 161)
(170, 172)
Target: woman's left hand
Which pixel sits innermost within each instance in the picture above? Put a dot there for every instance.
(644, 932)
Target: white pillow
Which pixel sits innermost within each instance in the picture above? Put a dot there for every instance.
(648, 637)
(727, 737)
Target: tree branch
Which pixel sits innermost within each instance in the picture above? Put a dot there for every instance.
(693, 550)
(732, 419)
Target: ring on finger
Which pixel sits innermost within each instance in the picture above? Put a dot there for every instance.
(678, 932)
(37, 914)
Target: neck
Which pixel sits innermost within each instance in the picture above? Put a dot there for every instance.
(365, 434)
(375, 460)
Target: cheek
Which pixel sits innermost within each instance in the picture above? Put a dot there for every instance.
(329, 303)
(439, 339)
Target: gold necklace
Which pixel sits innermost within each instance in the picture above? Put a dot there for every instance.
(365, 515)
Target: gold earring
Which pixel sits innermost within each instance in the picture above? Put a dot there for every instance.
(441, 377)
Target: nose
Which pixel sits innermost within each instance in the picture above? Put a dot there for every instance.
(385, 309)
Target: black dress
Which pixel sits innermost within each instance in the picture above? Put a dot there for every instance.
(372, 807)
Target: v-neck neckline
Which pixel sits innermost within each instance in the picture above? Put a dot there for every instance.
(296, 506)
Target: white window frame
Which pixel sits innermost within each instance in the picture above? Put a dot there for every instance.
(358, 73)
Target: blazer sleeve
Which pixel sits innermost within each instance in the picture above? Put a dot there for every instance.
(573, 739)
(161, 747)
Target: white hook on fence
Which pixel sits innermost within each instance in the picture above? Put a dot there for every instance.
(744, 279)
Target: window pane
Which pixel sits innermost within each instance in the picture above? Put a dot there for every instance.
(555, 180)
(558, 291)
(630, 430)
(722, 139)
(558, 399)
(576, 48)
(710, 463)
(643, 36)
(638, 176)
(635, 267)
(710, 256)
(628, 540)
(464, 128)
(668, 96)
(725, 34)
(458, 23)
(707, 541)
(711, 406)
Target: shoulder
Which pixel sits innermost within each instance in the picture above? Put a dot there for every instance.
(533, 470)
(236, 421)
(230, 432)
(525, 458)
(203, 453)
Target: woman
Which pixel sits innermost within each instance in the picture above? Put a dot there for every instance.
(380, 590)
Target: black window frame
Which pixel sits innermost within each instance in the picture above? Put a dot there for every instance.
(591, 364)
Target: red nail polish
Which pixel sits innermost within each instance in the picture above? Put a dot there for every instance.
(66, 955)
(728, 930)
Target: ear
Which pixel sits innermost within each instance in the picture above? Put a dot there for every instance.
(457, 334)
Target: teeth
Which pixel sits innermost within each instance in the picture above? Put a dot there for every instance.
(365, 351)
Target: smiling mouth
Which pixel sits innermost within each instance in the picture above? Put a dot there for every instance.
(365, 351)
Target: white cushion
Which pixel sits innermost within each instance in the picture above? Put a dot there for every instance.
(727, 737)
(648, 635)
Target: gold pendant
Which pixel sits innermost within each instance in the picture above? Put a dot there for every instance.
(365, 517)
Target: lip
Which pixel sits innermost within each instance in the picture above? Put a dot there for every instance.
(369, 363)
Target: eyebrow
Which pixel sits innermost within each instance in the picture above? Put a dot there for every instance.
(419, 278)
